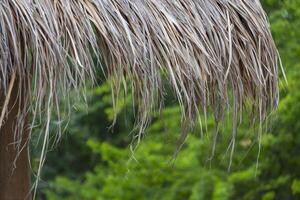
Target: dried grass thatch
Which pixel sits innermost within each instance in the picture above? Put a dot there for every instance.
(213, 52)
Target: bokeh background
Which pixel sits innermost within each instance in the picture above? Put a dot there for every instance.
(95, 162)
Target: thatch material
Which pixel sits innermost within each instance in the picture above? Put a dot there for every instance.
(213, 52)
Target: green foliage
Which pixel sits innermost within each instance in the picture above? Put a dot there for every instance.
(296, 186)
(96, 163)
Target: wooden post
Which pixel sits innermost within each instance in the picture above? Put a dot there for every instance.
(14, 179)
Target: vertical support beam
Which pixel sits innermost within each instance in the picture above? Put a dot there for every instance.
(14, 179)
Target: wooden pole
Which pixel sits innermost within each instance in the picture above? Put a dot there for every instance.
(14, 179)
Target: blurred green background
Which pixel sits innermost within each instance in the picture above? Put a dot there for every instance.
(93, 162)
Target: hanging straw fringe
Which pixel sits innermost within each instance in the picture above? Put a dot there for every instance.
(214, 53)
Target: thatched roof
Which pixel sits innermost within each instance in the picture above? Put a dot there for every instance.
(216, 54)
